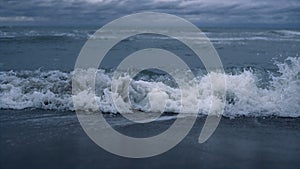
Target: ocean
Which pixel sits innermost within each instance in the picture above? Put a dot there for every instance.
(262, 69)
(260, 121)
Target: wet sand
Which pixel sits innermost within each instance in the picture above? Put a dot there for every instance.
(46, 139)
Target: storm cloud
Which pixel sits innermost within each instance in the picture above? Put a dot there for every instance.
(201, 12)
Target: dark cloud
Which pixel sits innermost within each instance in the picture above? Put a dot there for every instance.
(97, 12)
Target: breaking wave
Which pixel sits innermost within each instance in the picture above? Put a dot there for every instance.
(245, 96)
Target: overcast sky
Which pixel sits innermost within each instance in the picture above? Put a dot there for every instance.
(284, 13)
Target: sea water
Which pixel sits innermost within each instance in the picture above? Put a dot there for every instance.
(262, 72)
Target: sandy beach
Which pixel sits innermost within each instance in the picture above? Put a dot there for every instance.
(46, 139)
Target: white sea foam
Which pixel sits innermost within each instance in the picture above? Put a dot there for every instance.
(216, 36)
(28, 33)
(288, 32)
(52, 90)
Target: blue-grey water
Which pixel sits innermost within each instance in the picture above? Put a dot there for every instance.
(56, 48)
(39, 128)
(262, 68)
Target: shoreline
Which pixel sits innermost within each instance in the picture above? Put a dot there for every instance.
(47, 139)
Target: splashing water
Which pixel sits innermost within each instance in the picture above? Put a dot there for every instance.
(52, 90)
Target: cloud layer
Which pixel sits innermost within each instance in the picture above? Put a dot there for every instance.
(202, 12)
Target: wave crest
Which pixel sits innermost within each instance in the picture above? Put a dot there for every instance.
(52, 90)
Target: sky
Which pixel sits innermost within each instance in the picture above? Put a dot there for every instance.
(250, 13)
